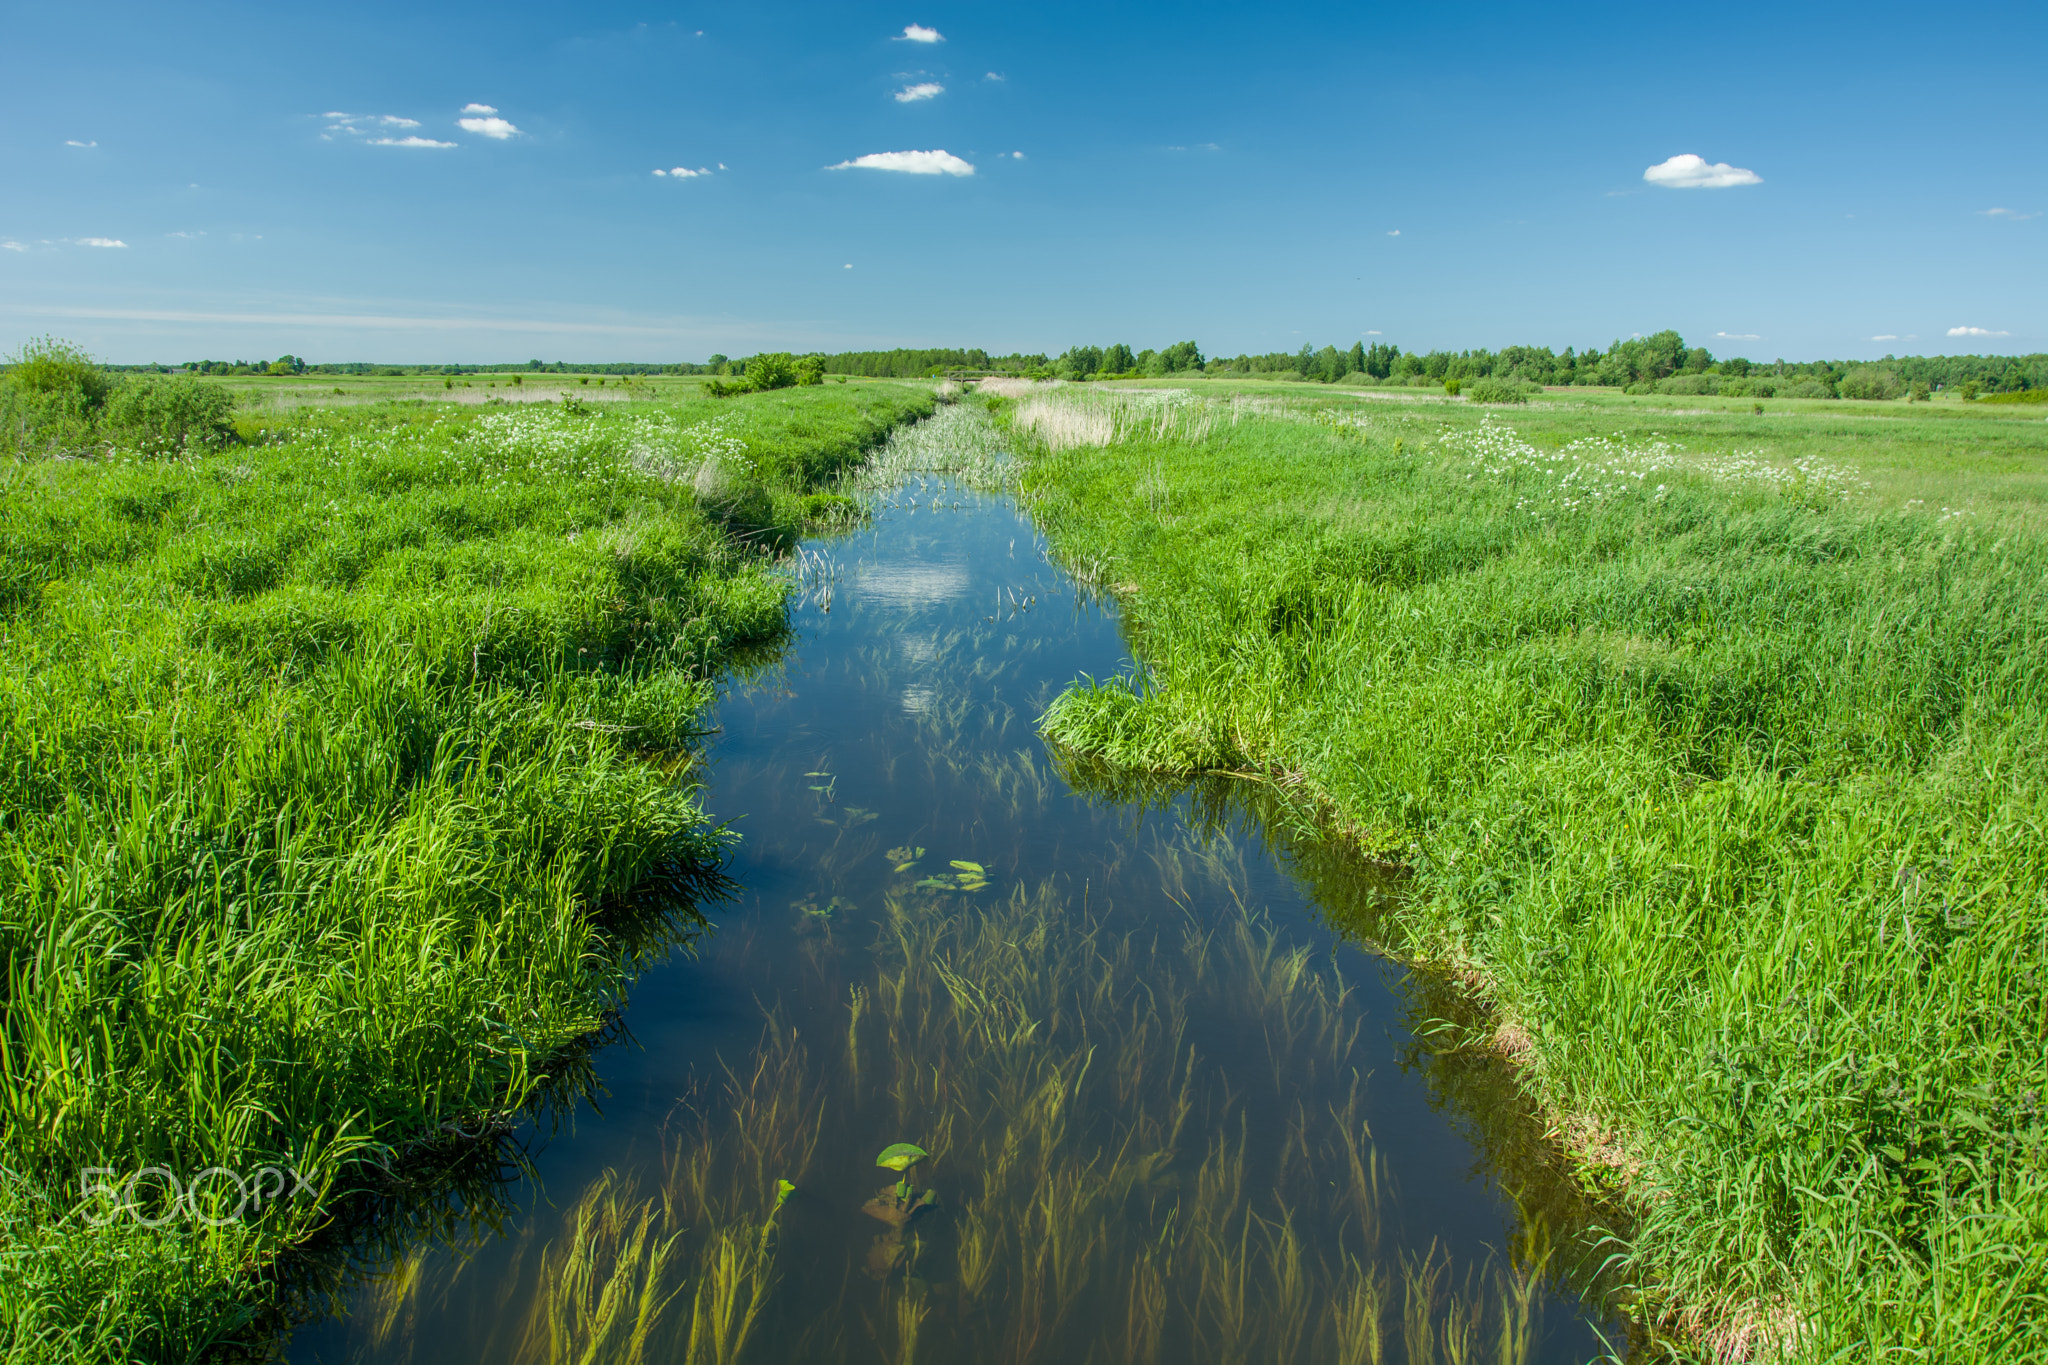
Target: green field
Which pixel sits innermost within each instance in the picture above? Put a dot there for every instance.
(1715, 747)
(329, 756)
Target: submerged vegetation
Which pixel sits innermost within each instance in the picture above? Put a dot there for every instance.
(335, 806)
(1102, 1187)
(1718, 757)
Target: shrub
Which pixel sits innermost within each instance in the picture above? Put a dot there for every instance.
(810, 370)
(1451, 387)
(772, 370)
(1806, 388)
(51, 397)
(1971, 388)
(2020, 396)
(1496, 390)
(1921, 392)
(1871, 382)
(162, 416)
(1689, 385)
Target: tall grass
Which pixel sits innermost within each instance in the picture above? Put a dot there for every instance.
(1720, 774)
(328, 815)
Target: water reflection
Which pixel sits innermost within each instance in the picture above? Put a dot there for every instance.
(1163, 1113)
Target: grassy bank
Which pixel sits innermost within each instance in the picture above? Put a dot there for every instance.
(1715, 743)
(328, 813)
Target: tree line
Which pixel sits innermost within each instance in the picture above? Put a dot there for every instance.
(1658, 363)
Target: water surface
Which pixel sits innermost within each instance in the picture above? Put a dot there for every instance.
(1168, 1112)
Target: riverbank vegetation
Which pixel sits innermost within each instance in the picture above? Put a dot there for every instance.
(340, 765)
(1713, 747)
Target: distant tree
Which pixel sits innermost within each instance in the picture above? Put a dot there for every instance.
(1871, 382)
(1081, 361)
(1118, 359)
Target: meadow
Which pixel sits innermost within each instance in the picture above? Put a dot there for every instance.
(346, 772)
(1711, 745)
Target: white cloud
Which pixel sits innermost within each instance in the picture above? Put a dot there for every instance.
(11, 245)
(1016, 156)
(200, 233)
(685, 173)
(1738, 336)
(1689, 172)
(918, 33)
(2013, 214)
(923, 90)
(992, 76)
(1976, 332)
(362, 125)
(1395, 233)
(849, 265)
(912, 163)
(478, 109)
(487, 127)
(1886, 336)
(74, 142)
(98, 241)
(1372, 334)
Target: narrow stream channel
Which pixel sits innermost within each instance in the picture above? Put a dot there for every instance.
(1168, 1113)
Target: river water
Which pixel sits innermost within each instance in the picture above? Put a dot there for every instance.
(1168, 1109)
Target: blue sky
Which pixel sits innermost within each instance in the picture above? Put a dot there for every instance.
(180, 182)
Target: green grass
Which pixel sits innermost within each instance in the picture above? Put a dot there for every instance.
(1717, 746)
(336, 806)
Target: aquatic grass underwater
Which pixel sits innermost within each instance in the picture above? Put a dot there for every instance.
(1102, 1189)
(328, 816)
(1715, 753)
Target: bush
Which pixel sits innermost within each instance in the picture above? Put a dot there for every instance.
(1871, 382)
(1451, 387)
(51, 397)
(1921, 392)
(772, 370)
(810, 370)
(2020, 396)
(162, 416)
(1971, 388)
(1690, 385)
(1496, 390)
(1806, 388)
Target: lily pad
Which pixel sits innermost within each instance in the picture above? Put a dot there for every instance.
(901, 1156)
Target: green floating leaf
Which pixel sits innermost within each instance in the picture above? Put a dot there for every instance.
(901, 1156)
(965, 866)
